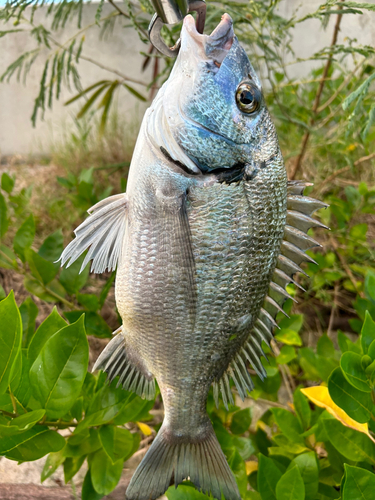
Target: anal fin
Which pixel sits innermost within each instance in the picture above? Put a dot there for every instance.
(116, 361)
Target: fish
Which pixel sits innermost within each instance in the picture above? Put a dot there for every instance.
(205, 240)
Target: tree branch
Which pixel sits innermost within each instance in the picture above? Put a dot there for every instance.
(318, 96)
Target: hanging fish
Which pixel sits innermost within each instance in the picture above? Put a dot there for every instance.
(205, 240)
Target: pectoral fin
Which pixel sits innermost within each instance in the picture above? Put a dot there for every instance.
(103, 233)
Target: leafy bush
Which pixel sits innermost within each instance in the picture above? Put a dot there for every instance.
(309, 431)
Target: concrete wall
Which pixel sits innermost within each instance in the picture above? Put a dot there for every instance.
(121, 51)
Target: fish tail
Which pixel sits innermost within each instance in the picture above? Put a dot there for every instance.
(171, 459)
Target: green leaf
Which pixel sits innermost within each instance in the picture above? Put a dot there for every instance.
(289, 337)
(352, 444)
(35, 287)
(355, 403)
(302, 408)
(367, 332)
(88, 492)
(351, 366)
(307, 464)
(184, 492)
(54, 460)
(10, 339)
(71, 279)
(325, 347)
(117, 443)
(72, 466)
(268, 477)
(370, 286)
(8, 259)
(104, 407)
(22, 423)
(104, 474)
(94, 323)
(7, 182)
(40, 268)
(52, 248)
(241, 421)
(89, 301)
(22, 392)
(58, 373)
(24, 237)
(4, 222)
(238, 468)
(29, 313)
(31, 445)
(288, 424)
(135, 93)
(287, 353)
(52, 324)
(358, 484)
(291, 486)
(2, 291)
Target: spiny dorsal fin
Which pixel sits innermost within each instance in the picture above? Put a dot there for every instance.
(115, 362)
(292, 254)
(103, 233)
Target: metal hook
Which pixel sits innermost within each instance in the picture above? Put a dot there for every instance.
(172, 12)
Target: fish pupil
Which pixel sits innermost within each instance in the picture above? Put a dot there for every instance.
(246, 97)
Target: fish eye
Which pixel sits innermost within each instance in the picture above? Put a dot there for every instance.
(248, 97)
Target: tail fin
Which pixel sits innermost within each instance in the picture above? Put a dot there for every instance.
(172, 459)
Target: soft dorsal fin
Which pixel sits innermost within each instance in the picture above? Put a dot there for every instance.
(103, 232)
(292, 253)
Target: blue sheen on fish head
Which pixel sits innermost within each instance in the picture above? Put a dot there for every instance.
(214, 102)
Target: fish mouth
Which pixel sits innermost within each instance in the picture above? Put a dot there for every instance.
(215, 46)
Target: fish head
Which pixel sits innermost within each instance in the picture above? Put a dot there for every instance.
(213, 102)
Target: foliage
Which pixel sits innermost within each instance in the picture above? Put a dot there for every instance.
(315, 437)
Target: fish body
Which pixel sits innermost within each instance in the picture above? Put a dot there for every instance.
(197, 240)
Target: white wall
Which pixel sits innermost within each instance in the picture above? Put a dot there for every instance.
(121, 51)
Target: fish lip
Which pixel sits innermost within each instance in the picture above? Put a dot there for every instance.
(217, 45)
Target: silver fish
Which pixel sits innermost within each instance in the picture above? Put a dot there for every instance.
(205, 240)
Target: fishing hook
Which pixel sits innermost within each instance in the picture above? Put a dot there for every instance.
(172, 12)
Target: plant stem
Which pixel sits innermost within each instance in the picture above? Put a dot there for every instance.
(8, 413)
(318, 96)
(14, 404)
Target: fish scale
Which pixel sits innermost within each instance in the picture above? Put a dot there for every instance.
(205, 240)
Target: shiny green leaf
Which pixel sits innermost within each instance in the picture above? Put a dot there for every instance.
(288, 424)
(31, 445)
(268, 477)
(307, 464)
(52, 324)
(351, 366)
(40, 268)
(355, 403)
(291, 486)
(117, 443)
(184, 492)
(59, 371)
(352, 444)
(10, 339)
(289, 337)
(29, 313)
(72, 466)
(302, 407)
(88, 492)
(358, 484)
(54, 460)
(367, 332)
(104, 474)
